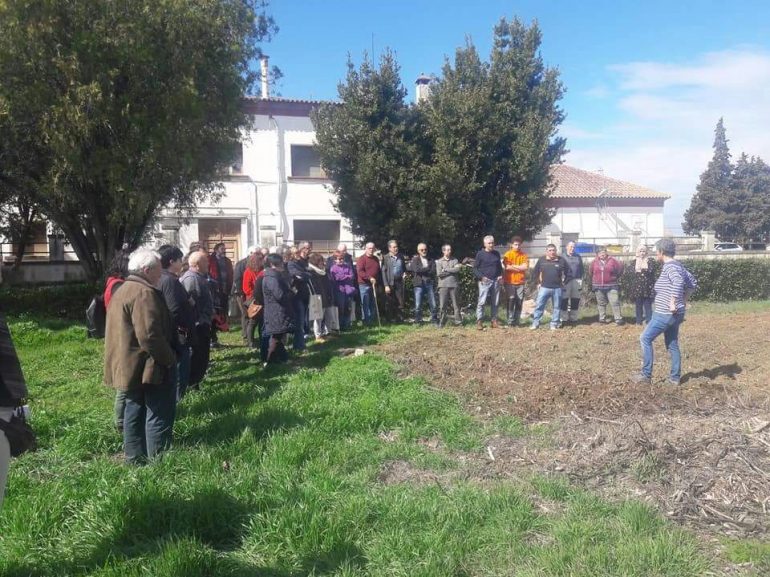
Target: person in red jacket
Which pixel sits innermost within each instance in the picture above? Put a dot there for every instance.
(605, 280)
(253, 272)
(368, 272)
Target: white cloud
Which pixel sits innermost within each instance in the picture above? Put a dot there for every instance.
(667, 113)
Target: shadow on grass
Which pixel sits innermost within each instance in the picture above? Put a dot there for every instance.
(229, 427)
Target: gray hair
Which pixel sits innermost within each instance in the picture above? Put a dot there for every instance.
(141, 259)
(391, 242)
(489, 238)
(369, 243)
(342, 247)
(666, 246)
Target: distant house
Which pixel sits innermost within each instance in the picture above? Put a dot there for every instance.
(592, 207)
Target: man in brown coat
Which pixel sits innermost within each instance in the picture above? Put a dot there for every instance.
(138, 355)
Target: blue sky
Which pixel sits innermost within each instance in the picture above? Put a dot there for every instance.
(646, 81)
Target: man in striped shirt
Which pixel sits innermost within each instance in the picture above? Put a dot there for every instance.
(671, 290)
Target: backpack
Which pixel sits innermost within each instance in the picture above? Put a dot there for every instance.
(96, 317)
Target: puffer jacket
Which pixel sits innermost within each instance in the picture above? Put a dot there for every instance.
(279, 314)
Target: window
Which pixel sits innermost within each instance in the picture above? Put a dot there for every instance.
(317, 230)
(237, 163)
(306, 162)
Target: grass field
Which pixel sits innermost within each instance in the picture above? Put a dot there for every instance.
(291, 472)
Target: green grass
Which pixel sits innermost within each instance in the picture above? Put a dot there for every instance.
(280, 474)
(749, 551)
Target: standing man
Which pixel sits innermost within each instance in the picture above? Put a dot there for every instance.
(488, 269)
(551, 274)
(448, 273)
(671, 291)
(196, 284)
(138, 359)
(237, 291)
(393, 269)
(182, 313)
(424, 270)
(570, 297)
(516, 264)
(368, 272)
(221, 273)
(605, 279)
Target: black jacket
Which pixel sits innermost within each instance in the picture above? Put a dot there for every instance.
(300, 278)
(321, 285)
(423, 274)
(177, 301)
(279, 315)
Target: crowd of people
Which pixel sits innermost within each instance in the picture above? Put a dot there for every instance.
(164, 309)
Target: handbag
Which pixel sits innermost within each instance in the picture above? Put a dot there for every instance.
(332, 318)
(316, 308)
(21, 437)
(253, 310)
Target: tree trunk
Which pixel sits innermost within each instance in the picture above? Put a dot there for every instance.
(27, 216)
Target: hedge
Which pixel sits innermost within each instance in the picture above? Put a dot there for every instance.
(68, 301)
(718, 280)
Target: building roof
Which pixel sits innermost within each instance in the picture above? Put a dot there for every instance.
(574, 182)
(288, 100)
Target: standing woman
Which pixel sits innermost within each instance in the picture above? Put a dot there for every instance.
(279, 310)
(343, 286)
(320, 285)
(641, 289)
(253, 272)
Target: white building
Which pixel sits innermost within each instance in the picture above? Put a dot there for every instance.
(276, 192)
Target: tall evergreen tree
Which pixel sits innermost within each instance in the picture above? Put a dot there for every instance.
(749, 214)
(473, 159)
(710, 204)
(494, 128)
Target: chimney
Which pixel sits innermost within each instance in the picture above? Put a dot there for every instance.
(264, 74)
(422, 88)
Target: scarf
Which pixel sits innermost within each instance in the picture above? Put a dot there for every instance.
(641, 264)
(317, 270)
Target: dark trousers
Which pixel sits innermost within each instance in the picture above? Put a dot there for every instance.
(301, 324)
(201, 351)
(148, 421)
(643, 310)
(394, 301)
(243, 317)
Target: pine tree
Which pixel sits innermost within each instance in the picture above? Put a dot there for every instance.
(710, 204)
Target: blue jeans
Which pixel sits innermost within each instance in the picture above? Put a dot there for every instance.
(488, 290)
(148, 421)
(419, 291)
(367, 303)
(643, 310)
(543, 296)
(300, 324)
(669, 326)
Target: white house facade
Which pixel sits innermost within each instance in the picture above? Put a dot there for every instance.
(276, 192)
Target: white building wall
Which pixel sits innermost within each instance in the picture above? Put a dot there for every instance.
(265, 195)
(588, 222)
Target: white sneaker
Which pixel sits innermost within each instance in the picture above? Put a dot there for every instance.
(533, 327)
